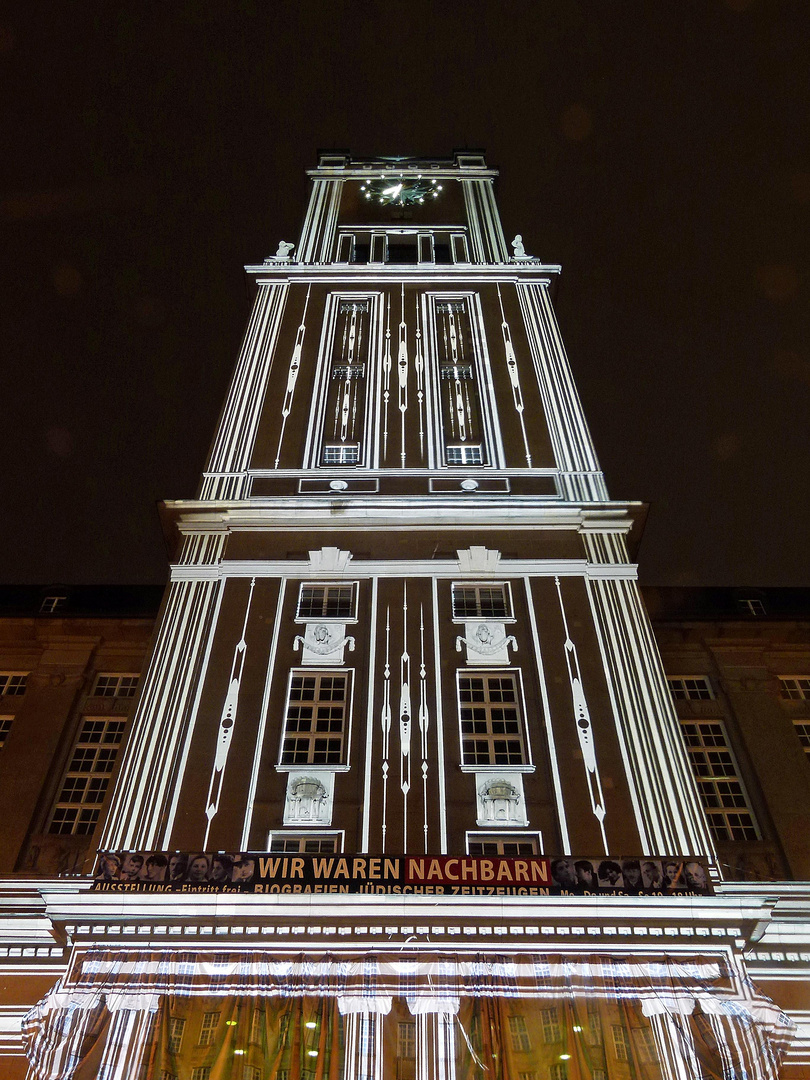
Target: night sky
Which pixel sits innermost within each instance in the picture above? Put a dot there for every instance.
(659, 151)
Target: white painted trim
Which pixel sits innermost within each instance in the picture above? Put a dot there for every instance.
(395, 568)
(372, 659)
(442, 759)
(257, 753)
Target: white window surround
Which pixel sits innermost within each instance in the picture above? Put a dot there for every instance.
(480, 615)
(328, 767)
(336, 835)
(326, 586)
(504, 837)
(527, 766)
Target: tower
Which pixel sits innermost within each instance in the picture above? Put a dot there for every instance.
(401, 662)
(403, 580)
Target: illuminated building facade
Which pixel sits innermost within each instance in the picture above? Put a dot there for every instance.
(403, 647)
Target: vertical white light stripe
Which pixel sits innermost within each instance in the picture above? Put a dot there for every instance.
(372, 659)
(552, 748)
(257, 753)
(167, 832)
(442, 762)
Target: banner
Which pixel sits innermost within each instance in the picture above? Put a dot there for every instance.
(432, 875)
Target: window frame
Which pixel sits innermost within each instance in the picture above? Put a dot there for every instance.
(300, 619)
(208, 1030)
(6, 724)
(13, 683)
(720, 812)
(119, 678)
(501, 838)
(684, 694)
(519, 1034)
(319, 673)
(338, 835)
(460, 620)
(786, 693)
(527, 765)
(84, 807)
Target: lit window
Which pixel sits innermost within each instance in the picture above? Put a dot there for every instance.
(693, 689)
(202, 1072)
(551, 1025)
(481, 602)
(208, 1028)
(718, 781)
(51, 604)
(12, 683)
(519, 1033)
(315, 726)
(5, 728)
(491, 725)
(406, 1040)
(88, 776)
(107, 685)
(463, 455)
(509, 845)
(794, 688)
(342, 454)
(304, 845)
(324, 602)
(620, 1044)
(176, 1027)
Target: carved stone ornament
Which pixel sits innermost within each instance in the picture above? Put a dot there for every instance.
(309, 799)
(500, 801)
(329, 560)
(520, 251)
(323, 643)
(486, 642)
(283, 254)
(478, 560)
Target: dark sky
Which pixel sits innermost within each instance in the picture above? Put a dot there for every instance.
(660, 151)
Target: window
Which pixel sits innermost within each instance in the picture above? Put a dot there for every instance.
(202, 1072)
(594, 1028)
(718, 781)
(12, 683)
(406, 1040)
(208, 1028)
(481, 602)
(51, 604)
(752, 606)
(519, 1033)
(251, 1072)
(551, 1025)
(527, 1076)
(5, 728)
(620, 1044)
(694, 689)
(326, 602)
(491, 727)
(645, 1041)
(463, 455)
(88, 776)
(315, 726)
(176, 1027)
(802, 730)
(558, 1071)
(794, 688)
(508, 845)
(345, 454)
(598, 1074)
(115, 685)
(304, 845)
(166, 1075)
(256, 1026)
